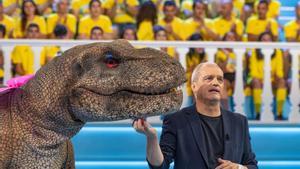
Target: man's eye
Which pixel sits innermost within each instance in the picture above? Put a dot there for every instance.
(110, 61)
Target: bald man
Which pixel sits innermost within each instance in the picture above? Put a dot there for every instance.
(203, 135)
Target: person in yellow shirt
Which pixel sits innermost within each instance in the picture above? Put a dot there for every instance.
(62, 17)
(80, 8)
(256, 74)
(226, 59)
(172, 24)
(260, 23)
(199, 24)
(6, 21)
(49, 52)
(292, 28)
(194, 57)
(145, 20)
(29, 15)
(95, 19)
(226, 22)
(161, 34)
(121, 12)
(274, 8)
(22, 56)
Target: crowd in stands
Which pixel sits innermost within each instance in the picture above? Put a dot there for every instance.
(198, 20)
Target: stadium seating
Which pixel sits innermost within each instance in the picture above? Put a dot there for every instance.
(118, 146)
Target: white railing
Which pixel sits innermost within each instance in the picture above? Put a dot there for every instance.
(182, 48)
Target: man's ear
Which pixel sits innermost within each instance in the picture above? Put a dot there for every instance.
(193, 86)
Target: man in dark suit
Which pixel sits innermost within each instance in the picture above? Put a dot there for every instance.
(203, 135)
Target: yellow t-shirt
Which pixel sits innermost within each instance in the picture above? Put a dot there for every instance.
(256, 26)
(9, 24)
(23, 54)
(122, 15)
(291, 29)
(1, 73)
(191, 62)
(49, 52)
(190, 27)
(222, 26)
(230, 58)
(86, 24)
(81, 5)
(69, 22)
(145, 31)
(273, 8)
(40, 21)
(170, 51)
(1, 70)
(238, 7)
(177, 26)
(257, 65)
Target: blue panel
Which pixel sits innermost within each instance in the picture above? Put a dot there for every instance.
(109, 143)
(143, 165)
(122, 143)
(289, 3)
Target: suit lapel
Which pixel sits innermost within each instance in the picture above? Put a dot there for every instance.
(228, 135)
(195, 124)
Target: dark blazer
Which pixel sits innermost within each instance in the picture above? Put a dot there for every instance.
(182, 140)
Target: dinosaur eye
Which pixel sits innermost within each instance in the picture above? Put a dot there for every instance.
(110, 61)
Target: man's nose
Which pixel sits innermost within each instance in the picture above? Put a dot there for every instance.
(215, 82)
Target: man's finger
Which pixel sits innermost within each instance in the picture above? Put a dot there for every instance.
(224, 164)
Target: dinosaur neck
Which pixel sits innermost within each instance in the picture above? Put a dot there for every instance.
(54, 118)
(44, 102)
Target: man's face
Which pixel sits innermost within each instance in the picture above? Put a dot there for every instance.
(199, 10)
(209, 85)
(32, 33)
(95, 9)
(226, 9)
(170, 12)
(63, 6)
(262, 10)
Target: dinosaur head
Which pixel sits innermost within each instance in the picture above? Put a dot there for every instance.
(115, 81)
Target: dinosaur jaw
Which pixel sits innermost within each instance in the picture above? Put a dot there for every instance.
(91, 106)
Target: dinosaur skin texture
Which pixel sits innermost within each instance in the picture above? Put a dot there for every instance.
(94, 82)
